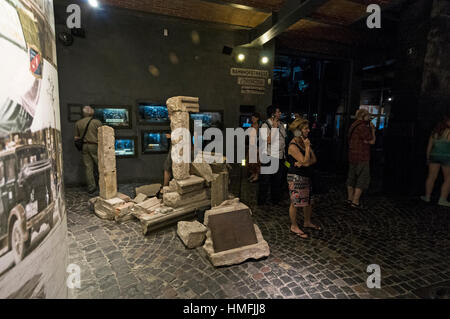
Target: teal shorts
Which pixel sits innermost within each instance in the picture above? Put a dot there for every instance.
(440, 159)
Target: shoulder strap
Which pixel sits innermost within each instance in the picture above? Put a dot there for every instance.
(268, 124)
(85, 130)
(353, 129)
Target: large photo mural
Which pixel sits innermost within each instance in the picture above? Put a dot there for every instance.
(33, 252)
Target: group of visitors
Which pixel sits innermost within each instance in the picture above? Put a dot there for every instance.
(296, 159)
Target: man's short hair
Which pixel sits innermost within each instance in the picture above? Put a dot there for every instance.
(271, 110)
(88, 110)
(361, 113)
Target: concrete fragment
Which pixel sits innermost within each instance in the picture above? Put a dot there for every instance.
(148, 190)
(106, 209)
(175, 199)
(123, 212)
(183, 104)
(237, 255)
(191, 184)
(124, 197)
(140, 198)
(203, 170)
(219, 189)
(192, 234)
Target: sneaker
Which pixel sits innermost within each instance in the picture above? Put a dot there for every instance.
(425, 199)
(92, 191)
(444, 202)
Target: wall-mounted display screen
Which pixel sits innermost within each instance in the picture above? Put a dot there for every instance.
(208, 119)
(152, 113)
(155, 142)
(125, 146)
(75, 112)
(116, 117)
(245, 121)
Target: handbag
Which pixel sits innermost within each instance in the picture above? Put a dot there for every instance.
(79, 143)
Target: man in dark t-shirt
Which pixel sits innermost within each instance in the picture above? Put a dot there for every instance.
(361, 135)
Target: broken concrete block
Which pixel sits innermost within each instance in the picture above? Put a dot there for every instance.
(140, 198)
(192, 234)
(191, 184)
(123, 212)
(183, 104)
(92, 201)
(219, 189)
(252, 249)
(149, 190)
(175, 199)
(202, 170)
(123, 197)
(237, 255)
(106, 209)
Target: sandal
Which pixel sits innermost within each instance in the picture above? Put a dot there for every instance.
(359, 206)
(302, 235)
(315, 227)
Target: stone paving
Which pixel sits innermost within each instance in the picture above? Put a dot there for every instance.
(409, 240)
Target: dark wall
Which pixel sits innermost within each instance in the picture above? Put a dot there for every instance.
(111, 66)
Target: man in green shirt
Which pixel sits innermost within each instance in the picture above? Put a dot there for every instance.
(90, 145)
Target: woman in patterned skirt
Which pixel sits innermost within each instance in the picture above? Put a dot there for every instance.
(301, 157)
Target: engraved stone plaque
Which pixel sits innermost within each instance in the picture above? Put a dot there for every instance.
(232, 230)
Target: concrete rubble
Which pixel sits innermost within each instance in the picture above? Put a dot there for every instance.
(148, 190)
(192, 234)
(140, 198)
(236, 255)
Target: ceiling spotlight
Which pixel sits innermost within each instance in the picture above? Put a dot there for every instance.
(390, 99)
(93, 3)
(264, 60)
(241, 57)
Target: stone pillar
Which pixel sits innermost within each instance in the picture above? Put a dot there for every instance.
(179, 108)
(405, 137)
(219, 188)
(107, 162)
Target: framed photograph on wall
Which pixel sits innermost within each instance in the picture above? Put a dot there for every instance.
(75, 112)
(155, 141)
(152, 113)
(118, 117)
(126, 146)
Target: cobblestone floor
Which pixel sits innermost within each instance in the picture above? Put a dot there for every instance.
(408, 239)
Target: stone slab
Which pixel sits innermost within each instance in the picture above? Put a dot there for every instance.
(175, 199)
(202, 170)
(140, 198)
(192, 234)
(191, 184)
(231, 230)
(159, 220)
(237, 255)
(149, 190)
(124, 197)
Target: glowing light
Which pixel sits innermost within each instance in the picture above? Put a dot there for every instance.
(93, 3)
(264, 60)
(243, 162)
(241, 57)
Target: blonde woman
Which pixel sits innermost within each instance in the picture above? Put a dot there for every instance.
(438, 157)
(301, 157)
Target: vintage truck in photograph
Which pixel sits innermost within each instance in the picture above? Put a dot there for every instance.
(26, 201)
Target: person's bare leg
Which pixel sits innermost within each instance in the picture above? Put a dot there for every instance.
(350, 192)
(293, 218)
(356, 195)
(445, 189)
(307, 212)
(433, 172)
